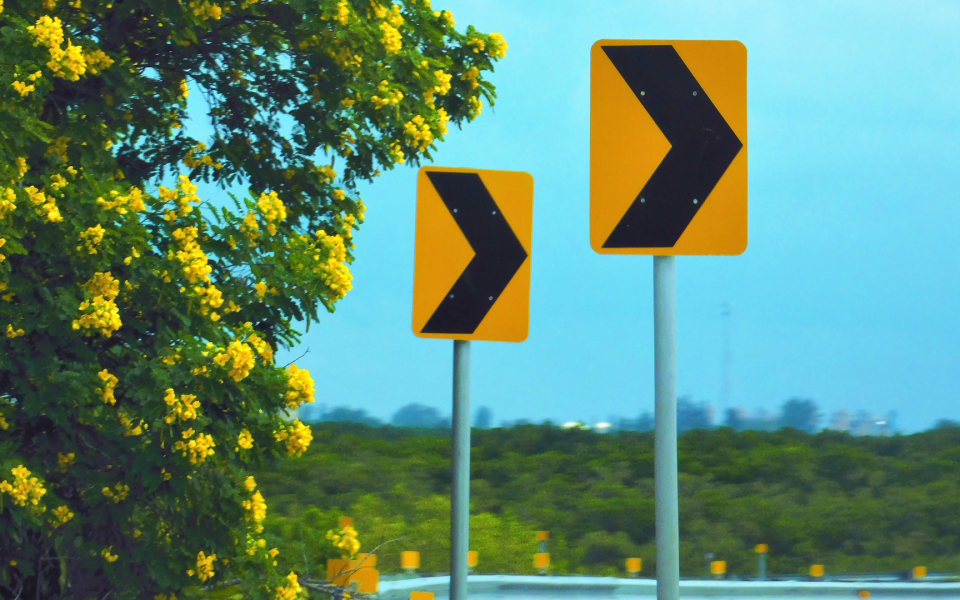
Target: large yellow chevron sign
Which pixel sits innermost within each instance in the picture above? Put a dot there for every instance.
(668, 147)
(472, 262)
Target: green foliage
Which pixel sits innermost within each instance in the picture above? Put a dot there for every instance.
(863, 504)
(137, 381)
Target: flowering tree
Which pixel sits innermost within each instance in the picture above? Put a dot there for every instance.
(137, 374)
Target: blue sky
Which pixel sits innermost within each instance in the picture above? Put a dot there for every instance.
(847, 294)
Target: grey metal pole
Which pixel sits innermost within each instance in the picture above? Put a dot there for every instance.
(665, 436)
(460, 500)
(762, 570)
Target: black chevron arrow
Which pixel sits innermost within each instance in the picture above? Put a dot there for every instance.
(703, 146)
(498, 254)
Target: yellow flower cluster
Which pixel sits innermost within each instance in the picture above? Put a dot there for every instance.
(256, 508)
(66, 461)
(104, 314)
(193, 258)
(124, 202)
(120, 495)
(245, 441)
(298, 437)
(335, 272)
(272, 209)
(191, 161)
(14, 333)
(205, 10)
(391, 39)
(419, 132)
(498, 46)
(2, 242)
(476, 107)
(91, 238)
(62, 515)
(184, 89)
(442, 119)
(261, 346)
(24, 489)
(346, 540)
(108, 554)
(109, 383)
(67, 64)
(471, 75)
(196, 449)
(22, 88)
(204, 566)
(96, 61)
(441, 88)
(292, 590)
(396, 153)
(46, 205)
(184, 195)
(302, 390)
(57, 182)
(343, 12)
(58, 147)
(8, 202)
(242, 357)
(183, 408)
(128, 428)
(391, 97)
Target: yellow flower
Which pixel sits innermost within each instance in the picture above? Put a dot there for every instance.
(184, 89)
(197, 449)
(91, 238)
(110, 382)
(245, 441)
(8, 202)
(24, 489)
(498, 46)
(204, 566)
(343, 12)
(301, 385)
(107, 554)
(66, 461)
(292, 590)
(181, 409)
(391, 39)
(261, 289)
(62, 514)
(14, 333)
(273, 210)
(256, 508)
(476, 107)
(119, 496)
(250, 483)
(242, 358)
(22, 88)
(297, 436)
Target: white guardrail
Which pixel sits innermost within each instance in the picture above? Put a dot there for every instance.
(518, 587)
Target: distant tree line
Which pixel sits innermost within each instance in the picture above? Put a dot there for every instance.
(854, 504)
(796, 413)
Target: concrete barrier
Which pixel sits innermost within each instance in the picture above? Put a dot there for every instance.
(518, 587)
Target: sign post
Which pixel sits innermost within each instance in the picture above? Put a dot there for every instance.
(668, 177)
(471, 282)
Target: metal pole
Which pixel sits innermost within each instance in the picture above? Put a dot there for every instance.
(665, 440)
(460, 500)
(762, 570)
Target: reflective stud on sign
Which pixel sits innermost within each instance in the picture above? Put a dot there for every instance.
(472, 263)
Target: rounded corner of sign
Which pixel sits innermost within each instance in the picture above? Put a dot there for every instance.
(741, 45)
(598, 44)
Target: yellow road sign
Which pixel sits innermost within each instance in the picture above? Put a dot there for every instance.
(668, 147)
(472, 264)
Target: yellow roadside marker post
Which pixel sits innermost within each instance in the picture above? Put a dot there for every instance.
(410, 561)
(761, 550)
(472, 558)
(421, 595)
(634, 566)
(668, 177)
(919, 572)
(816, 571)
(471, 281)
(718, 569)
(541, 561)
